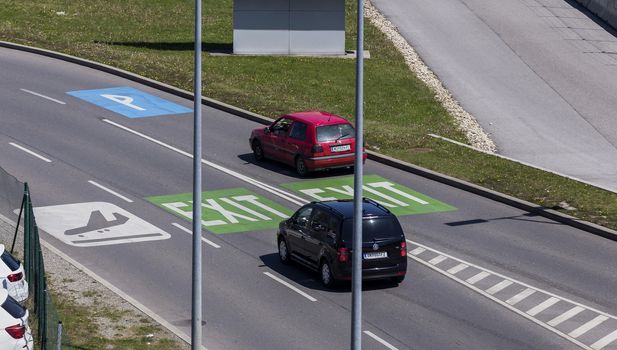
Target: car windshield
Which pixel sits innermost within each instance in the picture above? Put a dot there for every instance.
(334, 132)
(13, 308)
(374, 229)
(10, 261)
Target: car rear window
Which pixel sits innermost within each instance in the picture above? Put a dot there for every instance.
(374, 229)
(10, 261)
(11, 306)
(334, 131)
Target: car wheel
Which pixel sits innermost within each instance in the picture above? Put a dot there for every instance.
(301, 168)
(327, 279)
(258, 151)
(283, 251)
(398, 279)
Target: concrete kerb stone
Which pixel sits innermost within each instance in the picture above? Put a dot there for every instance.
(380, 158)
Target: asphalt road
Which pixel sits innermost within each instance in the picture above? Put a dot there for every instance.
(538, 75)
(459, 259)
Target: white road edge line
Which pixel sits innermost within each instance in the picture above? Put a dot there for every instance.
(191, 232)
(269, 188)
(498, 301)
(383, 342)
(29, 152)
(43, 96)
(288, 285)
(110, 191)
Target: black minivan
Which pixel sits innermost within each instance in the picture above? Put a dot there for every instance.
(319, 235)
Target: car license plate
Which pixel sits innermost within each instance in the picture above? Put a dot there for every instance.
(341, 148)
(375, 255)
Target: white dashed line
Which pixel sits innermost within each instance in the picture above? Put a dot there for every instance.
(477, 278)
(542, 306)
(43, 96)
(587, 326)
(520, 296)
(515, 292)
(499, 286)
(207, 241)
(111, 191)
(383, 342)
(288, 285)
(600, 344)
(436, 260)
(417, 251)
(458, 268)
(30, 152)
(566, 316)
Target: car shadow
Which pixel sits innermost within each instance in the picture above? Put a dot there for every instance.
(309, 278)
(287, 170)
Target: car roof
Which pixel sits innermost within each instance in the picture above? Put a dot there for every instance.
(1, 248)
(344, 207)
(318, 118)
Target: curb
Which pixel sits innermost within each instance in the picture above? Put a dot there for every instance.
(380, 158)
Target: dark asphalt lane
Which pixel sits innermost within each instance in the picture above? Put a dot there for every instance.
(243, 307)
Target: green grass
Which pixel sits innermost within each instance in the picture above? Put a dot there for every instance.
(154, 38)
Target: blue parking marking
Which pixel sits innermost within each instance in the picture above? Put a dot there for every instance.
(130, 102)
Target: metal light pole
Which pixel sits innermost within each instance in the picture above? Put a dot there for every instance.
(356, 310)
(196, 292)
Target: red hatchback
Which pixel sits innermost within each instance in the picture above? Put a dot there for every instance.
(307, 140)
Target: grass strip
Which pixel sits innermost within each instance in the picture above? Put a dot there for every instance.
(154, 38)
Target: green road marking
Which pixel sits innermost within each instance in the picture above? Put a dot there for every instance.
(399, 199)
(227, 211)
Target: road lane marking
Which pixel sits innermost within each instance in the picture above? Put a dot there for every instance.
(606, 337)
(110, 191)
(565, 316)
(207, 241)
(477, 278)
(458, 268)
(383, 342)
(520, 296)
(288, 285)
(542, 306)
(268, 188)
(43, 96)
(587, 326)
(604, 341)
(417, 251)
(499, 286)
(436, 260)
(30, 152)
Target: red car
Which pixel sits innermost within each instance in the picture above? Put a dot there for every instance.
(307, 140)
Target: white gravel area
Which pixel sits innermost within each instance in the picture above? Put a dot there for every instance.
(477, 137)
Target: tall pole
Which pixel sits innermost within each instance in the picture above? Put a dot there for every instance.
(196, 293)
(356, 311)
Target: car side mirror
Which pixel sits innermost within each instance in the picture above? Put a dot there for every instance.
(267, 130)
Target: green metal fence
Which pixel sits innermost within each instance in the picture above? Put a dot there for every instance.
(45, 316)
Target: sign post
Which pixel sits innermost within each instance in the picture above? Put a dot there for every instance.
(356, 310)
(196, 295)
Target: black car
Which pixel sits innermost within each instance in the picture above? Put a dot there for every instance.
(319, 235)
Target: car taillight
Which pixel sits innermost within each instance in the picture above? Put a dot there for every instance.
(316, 149)
(403, 248)
(17, 331)
(15, 277)
(343, 255)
